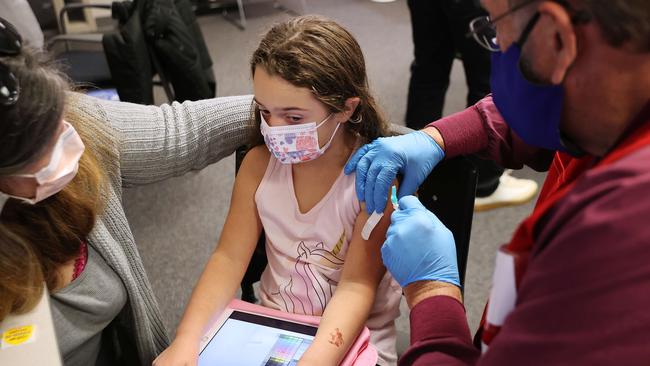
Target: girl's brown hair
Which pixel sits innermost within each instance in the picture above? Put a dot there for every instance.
(36, 240)
(316, 53)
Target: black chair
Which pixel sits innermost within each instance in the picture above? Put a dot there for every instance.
(85, 62)
(448, 192)
(80, 53)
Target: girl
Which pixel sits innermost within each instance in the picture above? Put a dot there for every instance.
(314, 109)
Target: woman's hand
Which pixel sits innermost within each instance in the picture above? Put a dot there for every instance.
(184, 351)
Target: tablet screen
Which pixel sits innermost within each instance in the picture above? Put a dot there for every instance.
(250, 339)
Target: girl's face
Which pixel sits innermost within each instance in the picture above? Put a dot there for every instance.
(282, 103)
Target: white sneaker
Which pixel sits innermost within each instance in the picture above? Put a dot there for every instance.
(511, 191)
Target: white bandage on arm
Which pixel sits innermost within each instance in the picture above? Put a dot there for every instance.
(373, 220)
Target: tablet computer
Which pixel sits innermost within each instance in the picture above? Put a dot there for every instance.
(244, 338)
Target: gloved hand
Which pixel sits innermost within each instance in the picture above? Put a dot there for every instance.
(377, 164)
(418, 246)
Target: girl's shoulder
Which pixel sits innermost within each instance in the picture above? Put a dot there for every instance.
(255, 162)
(258, 153)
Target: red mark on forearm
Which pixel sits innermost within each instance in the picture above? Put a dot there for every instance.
(336, 338)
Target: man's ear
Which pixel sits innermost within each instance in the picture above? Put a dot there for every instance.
(351, 105)
(558, 22)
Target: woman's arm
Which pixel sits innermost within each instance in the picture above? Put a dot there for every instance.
(157, 143)
(225, 268)
(348, 310)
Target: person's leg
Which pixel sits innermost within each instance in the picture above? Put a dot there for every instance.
(476, 59)
(476, 64)
(494, 189)
(433, 56)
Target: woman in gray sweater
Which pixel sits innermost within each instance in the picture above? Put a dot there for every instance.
(64, 158)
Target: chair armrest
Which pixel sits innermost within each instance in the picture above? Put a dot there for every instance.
(92, 41)
(69, 7)
(84, 38)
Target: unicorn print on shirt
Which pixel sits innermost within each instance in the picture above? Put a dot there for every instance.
(307, 280)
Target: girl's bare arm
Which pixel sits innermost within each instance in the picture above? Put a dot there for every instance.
(348, 310)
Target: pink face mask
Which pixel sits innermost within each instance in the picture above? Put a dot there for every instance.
(294, 144)
(61, 169)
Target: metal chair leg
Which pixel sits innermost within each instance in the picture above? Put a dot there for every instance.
(303, 8)
(241, 23)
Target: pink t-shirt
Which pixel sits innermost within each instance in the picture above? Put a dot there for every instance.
(306, 253)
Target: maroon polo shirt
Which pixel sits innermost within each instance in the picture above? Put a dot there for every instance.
(585, 298)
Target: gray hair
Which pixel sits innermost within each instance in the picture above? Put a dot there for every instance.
(623, 21)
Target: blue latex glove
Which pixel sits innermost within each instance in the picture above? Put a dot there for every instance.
(377, 164)
(418, 246)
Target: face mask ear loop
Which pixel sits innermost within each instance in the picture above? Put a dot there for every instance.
(263, 123)
(322, 149)
(526, 32)
(323, 121)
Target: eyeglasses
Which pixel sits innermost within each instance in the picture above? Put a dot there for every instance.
(484, 31)
(10, 45)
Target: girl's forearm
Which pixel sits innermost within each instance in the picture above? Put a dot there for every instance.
(342, 321)
(214, 290)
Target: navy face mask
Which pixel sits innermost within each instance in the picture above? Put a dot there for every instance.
(532, 110)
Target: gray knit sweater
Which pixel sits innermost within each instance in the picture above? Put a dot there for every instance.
(151, 144)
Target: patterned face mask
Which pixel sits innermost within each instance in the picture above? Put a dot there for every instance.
(295, 143)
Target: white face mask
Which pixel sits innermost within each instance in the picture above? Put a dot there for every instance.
(61, 169)
(294, 144)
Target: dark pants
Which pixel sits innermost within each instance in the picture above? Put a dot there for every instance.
(439, 29)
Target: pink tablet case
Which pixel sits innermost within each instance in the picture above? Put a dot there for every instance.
(361, 353)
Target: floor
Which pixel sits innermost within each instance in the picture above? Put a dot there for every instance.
(177, 222)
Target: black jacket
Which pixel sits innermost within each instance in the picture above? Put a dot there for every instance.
(165, 33)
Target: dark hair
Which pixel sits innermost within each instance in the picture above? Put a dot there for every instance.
(28, 126)
(36, 240)
(316, 53)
